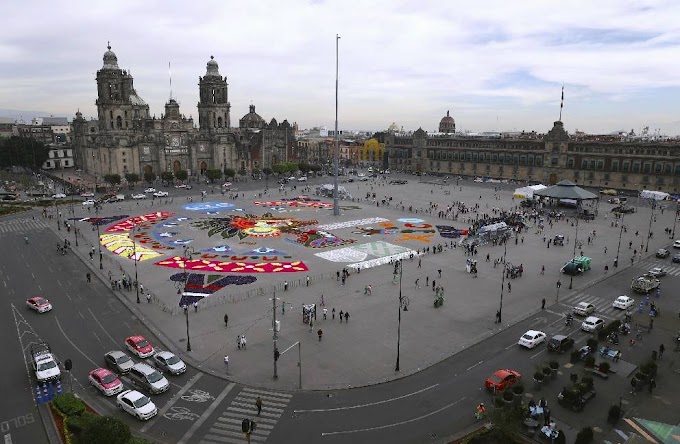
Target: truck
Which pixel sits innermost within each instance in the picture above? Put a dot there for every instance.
(44, 362)
(644, 284)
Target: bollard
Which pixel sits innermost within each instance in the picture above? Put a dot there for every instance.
(50, 390)
(38, 395)
(640, 308)
(59, 389)
(45, 395)
(647, 300)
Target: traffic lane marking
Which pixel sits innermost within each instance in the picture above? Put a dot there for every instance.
(73, 344)
(176, 397)
(101, 326)
(350, 407)
(395, 424)
(199, 422)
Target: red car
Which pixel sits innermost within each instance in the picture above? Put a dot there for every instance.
(105, 381)
(139, 346)
(502, 379)
(39, 304)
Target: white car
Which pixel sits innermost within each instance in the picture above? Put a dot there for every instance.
(623, 302)
(302, 179)
(150, 190)
(592, 323)
(89, 203)
(676, 244)
(138, 196)
(136, 404)
(59, 196)
(87, 194)
(291, 178)
(657, 272)
(584, 308)
(531, 338)
(169, 362)
(181, 185)
(161, 194)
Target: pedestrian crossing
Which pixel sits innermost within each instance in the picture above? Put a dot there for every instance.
(670, 268)
(227, 428)
(22, 225)
(603, 306)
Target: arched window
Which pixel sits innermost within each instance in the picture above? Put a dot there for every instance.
(219, 122)
(119, 122)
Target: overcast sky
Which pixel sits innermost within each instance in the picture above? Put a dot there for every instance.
(496, 65)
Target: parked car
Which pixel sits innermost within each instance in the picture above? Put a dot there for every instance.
(676, 258)
(502, 379)
(169, 362)
(138, 196)
(161, 194)
(139, 346)
(105, 381)
(302, 179)
(623, 302)
(531, 338)
(59, 196)
(89, 203)
(39, 304)
(87, 194)
(118, 361)
(584, 308)
(147, 377)
(560, 343)
(592, 324)
(676, 244)
(150, 190)
(136, 404)
(662, 253)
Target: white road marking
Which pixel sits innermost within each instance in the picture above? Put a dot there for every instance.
(473, 366)
(396, 424)
(74, 345)
(173, 400)
(199, 422)
(101, 326)
(350, 407)
(533, 356)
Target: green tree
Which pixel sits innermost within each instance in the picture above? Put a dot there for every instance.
(149, 177)
(279, 168)
(256, 172)
(181, 175)
(304, 167)
(132, 178)
(167, 176)
(230, 172)
(19, 151)
(213, 175)
(105, 430)
(267, 171)
(112, 179)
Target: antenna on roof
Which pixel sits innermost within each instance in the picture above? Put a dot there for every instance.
(170, 75)
(562, 102)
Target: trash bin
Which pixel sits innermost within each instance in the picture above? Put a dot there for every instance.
(654, 354)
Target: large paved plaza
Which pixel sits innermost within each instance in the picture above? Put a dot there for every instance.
(244, 248)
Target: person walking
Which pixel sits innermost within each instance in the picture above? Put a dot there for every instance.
(652, 385)
(543, 304)
(195, 306)
(662, 349)
(341, 315)
(633, 386)
(419, 263)
(325, 313)
(433, 284)
(226, 320)
(509, 288)
(346, 317)
(333, 314)
(311, 325)
(417, 283)
(320, 333)
(148, 298)
(243, 342)
(440, 272)
(89, 277)
(226, 362)
(307, 280)
(258, 404)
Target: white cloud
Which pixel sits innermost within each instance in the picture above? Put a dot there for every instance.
(403, 61)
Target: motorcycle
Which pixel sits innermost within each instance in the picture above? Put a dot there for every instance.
(613, 338)
(624, 329)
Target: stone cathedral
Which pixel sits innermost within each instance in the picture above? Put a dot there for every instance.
(125, 138)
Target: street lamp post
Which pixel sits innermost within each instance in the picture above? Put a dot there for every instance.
(571, 278)
(675, 217)
(558, 285)
(134, 253)
(336, 154)
(188, 252)
(99, 245)
(618, 249)
(57, 216)
(649, 230)
(505, 254)
(399, 268)
(75, 229)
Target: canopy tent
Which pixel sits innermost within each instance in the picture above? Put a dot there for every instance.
(566, 190)
(502, 226)
(655, 195)
(528, 192)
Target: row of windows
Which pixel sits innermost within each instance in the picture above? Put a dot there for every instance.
(630, 151)
(628, 166)
(506, 158)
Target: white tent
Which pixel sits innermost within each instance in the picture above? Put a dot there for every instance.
(528, 192)
(656, 195)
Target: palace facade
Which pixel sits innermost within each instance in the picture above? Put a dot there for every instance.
(125, 138)
(548, 158)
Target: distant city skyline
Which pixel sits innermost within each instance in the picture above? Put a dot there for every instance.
(495, 65)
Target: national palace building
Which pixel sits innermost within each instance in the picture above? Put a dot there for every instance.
(125, 138)
(597, 161)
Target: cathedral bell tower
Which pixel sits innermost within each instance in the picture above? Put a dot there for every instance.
(213, 105)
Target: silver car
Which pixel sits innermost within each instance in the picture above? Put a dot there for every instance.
(118, 361)
(169, 362)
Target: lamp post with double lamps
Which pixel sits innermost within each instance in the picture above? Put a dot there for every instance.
(186, 255)
(675, 217)
(571, 277)
(649, 230)
(134, 258)
(505, 254)
(403, 305)
(618, 249)
(75, 229)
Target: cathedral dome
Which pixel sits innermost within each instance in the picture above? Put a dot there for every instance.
(447, 124)
(110, 59)
(212, 68)
(252, 119)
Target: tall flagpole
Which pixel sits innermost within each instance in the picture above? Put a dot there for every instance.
(170, 75)
(562, 102)
(336, 155)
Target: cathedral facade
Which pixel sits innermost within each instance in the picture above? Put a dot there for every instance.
(126, 139)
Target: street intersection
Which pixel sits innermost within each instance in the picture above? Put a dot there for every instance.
(435, 396)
